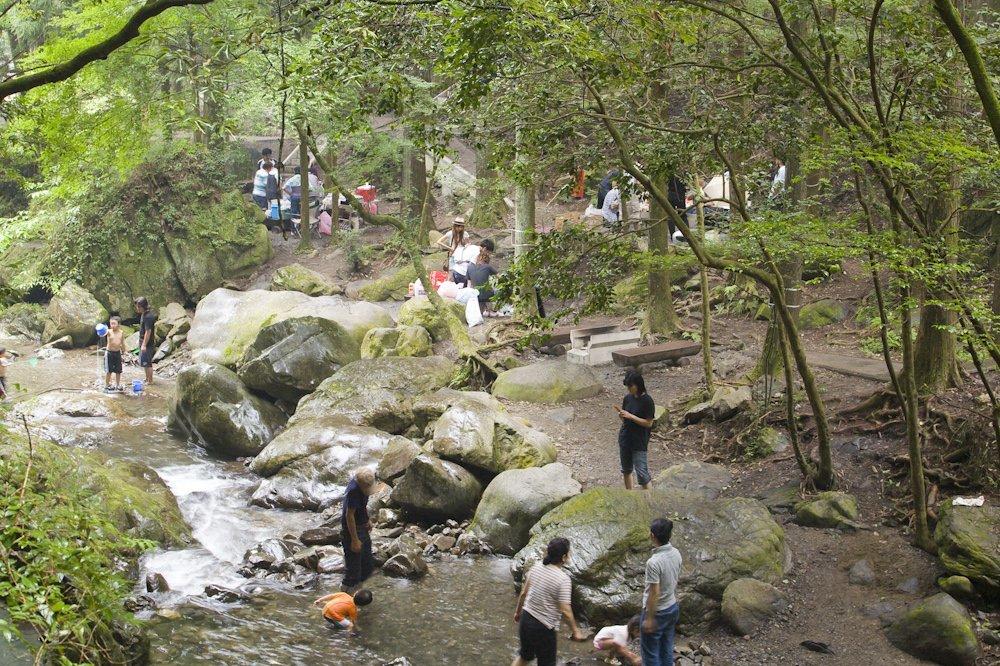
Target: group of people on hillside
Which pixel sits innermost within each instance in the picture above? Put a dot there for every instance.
(545, 598)
(468, 262)
(268, 191)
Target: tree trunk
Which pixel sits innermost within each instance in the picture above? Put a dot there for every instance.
(305, 241)
(661, 319)
(524, 231)
(706, 312)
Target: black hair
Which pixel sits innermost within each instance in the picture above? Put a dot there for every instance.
(488, 244)
(298, 170)
(363, 597)
(633, 624)
(266, 151)
(556, 551)
(142, 302)
(634, 378)
(662, 528)
(115, 318)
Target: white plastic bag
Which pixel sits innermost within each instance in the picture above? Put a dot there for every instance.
(448, 289)
(473, 315)
(465, 294)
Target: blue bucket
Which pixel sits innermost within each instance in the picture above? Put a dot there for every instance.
(136, 386)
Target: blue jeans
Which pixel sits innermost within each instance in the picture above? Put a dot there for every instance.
(633, 460)
(658, 647)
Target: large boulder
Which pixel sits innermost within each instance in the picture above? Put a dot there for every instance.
(73, 311)
(821, 313)
(435, 490)
(377, 392)
(291, 358)
(309, 464)
(399, 341)
(514, 501)
(226, 322)
(211, 406)
(828, 509)
(548, 382)
(70, 417)
(747, 603)
(296, 277)
(938, 629)
(720, 541)
(398, 455)
(696, 477)
(394, 285)
(483, 436)
(23, 320)
(171, 320)
(419, 311)
(968, 541)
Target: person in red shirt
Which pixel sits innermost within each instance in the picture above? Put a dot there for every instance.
(341, 609)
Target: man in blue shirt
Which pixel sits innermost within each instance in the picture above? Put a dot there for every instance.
(356, 530)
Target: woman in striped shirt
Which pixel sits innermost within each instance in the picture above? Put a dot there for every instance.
(546, 595)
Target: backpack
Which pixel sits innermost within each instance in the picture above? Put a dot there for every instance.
(272, 187)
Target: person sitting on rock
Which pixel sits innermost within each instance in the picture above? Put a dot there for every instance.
(358, 561)
(341, 609)
(614, 640)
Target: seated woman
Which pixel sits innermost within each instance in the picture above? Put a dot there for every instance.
(479, 274)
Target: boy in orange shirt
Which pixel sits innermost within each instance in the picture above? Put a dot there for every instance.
(341, 608)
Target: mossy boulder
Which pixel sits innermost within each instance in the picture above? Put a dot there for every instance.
(419, 311)
(70, 417)
(377, 392)
(515, 500)
(296, 277)
(212, 407)
(748, 603)
(73, 311)
(226, 322)
(829, 509)
(968, 541)
(23, 320)
(394, 286)
(435, 490)
(704, 479)
(308, 465)
(821, 313)
(291, 358)
(720, 541)
(399, 341)
(938, 629)
(549, 382)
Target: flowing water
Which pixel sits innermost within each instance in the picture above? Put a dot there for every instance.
(459, 614)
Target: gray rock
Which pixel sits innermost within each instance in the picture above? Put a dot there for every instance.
(938, 629)
(434, 490)
(748, 603)
(73, 312)
(321, 536)
(828, 509)
(781, 499)
(549, 382)
(296, 277)
(727, 401)
(697, 477)
(515, 500)
(211, 406)
(330, 564)
(171, 320)
(289, 359)
(23, 320)
(968, 541)
(398, 455)
(399, 341)
(861, 573)
(267, 552)
(419, 311)
(155, 582)
(908, 586)
(405, 565)
(226, 595)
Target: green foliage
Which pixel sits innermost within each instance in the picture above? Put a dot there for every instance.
(60, 558)
(358, 253)
(373, 157)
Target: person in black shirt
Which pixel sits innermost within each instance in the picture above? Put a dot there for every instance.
(677, 196)
(637, 412)
(147, 336)
(356, 530)
(606, 186)
(481, 272)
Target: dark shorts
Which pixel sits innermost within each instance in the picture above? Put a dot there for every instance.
(146, 358)
(113, 362)
(260, 201)
(537, 641)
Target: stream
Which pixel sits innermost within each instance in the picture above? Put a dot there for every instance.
(459, 614)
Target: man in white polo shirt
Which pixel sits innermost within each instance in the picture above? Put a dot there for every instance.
(660, 611)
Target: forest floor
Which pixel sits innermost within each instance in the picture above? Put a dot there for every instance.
(824, 606)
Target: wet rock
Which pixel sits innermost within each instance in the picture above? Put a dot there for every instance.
(377, 392)
(139, 602)
(398, 455)
(73, 312)
(938, 629)
(296, 277)
(388, 517)
(419, 311)
(470, 544)
(958, 587)
(828, 509)
(515, 500)
(155, 582)
(398, 661)
(321, 536)
(289, 359)
(701, 478)
(721, 540)
(331, 563)
(226, 322)
(267, 552)
(443, 542)
(549, 382)
(405, 565)
(309, 558)
(168, 614)
(968, 541)
(861, 573)
(399, 341)
(747, 604)
(308, 465)
(50, 353)
(213, 407)
(434, 489)
(821, 313)
(225, 595)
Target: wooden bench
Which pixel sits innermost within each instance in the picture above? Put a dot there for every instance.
(668, 351)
